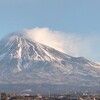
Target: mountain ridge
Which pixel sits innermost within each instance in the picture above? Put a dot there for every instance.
(26, 61)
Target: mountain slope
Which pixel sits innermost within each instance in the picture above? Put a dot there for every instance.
(26, 61)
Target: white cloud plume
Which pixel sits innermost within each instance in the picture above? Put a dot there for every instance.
(54, 39)
(65, 42)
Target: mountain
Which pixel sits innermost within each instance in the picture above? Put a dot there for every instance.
(23, 61)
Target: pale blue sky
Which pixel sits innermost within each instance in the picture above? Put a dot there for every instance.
(80, 17)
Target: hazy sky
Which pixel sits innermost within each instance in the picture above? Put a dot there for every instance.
(78, 18)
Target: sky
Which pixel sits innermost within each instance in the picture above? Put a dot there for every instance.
(76, 23)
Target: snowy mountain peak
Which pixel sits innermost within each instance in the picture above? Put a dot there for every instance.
(39, 51)
(25, 51)
(25, 59)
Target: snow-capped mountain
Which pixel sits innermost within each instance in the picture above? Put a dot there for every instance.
(26, 61)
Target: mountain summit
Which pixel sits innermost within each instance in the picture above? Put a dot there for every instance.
(25, 61)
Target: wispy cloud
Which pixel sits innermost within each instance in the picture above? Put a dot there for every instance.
(65, 42)
(58, 40)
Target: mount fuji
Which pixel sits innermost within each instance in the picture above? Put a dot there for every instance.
(23, 61)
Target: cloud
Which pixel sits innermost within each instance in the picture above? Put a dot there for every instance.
(54, 39)
(65, 42)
